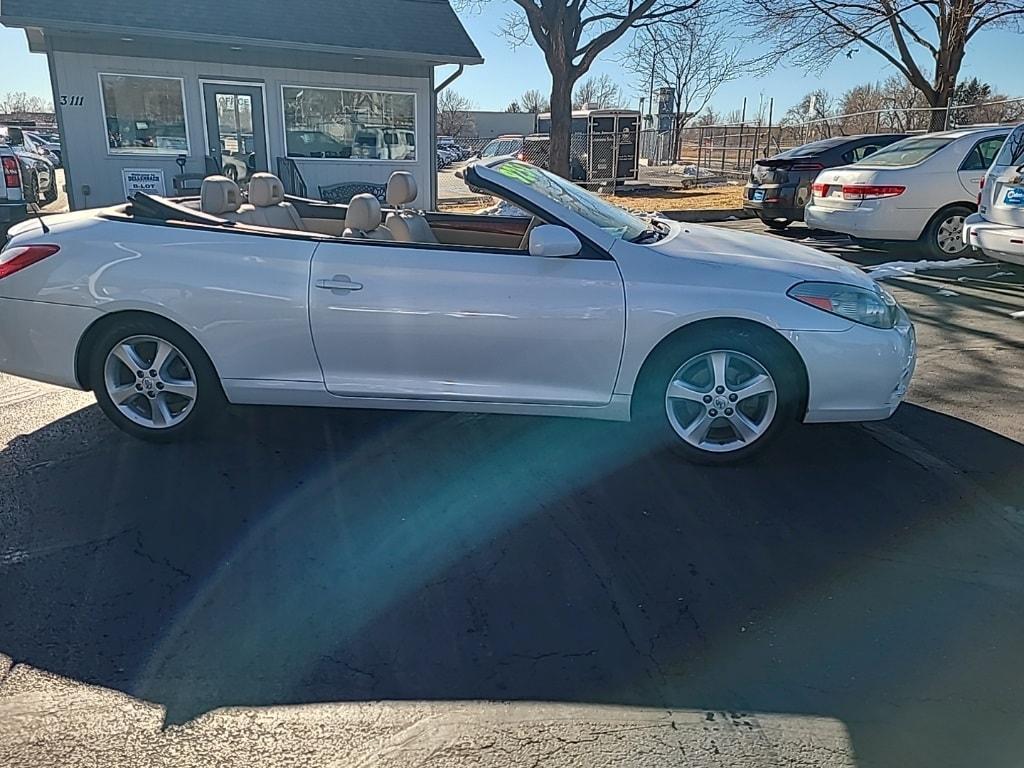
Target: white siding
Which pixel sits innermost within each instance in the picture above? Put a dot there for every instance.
(85, 143)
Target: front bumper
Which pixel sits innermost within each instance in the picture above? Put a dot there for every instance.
(861, 374)
(997, 241)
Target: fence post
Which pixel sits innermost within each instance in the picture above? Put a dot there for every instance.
(768, 136)
(700, 151)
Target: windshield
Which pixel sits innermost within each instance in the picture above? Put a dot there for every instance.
(502, 147)
(910, 151)
(612, 219)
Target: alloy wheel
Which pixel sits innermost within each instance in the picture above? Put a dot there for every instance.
(150, 381)
(721, 401)
(949, 235)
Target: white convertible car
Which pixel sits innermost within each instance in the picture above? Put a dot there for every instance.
(714, 339)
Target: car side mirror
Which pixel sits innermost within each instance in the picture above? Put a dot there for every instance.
(551, 241)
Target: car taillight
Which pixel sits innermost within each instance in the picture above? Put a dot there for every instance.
(819, 190)
(981, 188)
(807, 167)
(12, 173)
(871, 191)
(21, 256)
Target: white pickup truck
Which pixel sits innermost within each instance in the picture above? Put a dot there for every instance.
(13, 207)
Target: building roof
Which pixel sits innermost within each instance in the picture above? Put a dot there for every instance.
(421, 29)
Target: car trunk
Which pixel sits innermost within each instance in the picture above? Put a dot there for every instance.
(1007, 198)
(777, 170)
(828, 186)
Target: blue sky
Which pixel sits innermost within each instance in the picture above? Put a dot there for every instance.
(507, 73)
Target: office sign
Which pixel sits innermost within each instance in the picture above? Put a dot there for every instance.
(148, 180)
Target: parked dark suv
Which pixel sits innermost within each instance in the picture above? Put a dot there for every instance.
(780, 186)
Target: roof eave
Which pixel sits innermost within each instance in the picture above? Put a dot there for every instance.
(117, 30)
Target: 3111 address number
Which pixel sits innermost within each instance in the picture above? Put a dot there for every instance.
(72, 101)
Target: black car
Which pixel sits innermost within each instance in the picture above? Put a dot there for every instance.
(780, 186)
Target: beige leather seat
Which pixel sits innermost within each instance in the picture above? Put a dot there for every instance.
(220, 196)
(408, 226)
(362, 221)
(266, 195)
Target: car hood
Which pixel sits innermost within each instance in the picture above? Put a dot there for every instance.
(771, 254)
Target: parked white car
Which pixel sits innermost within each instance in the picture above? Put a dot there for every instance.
(919, 189)
(997, 229)
(714, 339)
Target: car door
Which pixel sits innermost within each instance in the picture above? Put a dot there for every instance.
(410, 321)
(972, 169)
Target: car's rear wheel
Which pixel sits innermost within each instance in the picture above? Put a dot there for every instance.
(943, 237)
(777, 224)
(720, 398)
(154, 381)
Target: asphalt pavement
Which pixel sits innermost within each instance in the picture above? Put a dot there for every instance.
(480, 590)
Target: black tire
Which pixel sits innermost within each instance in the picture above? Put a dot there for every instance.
(777, 224)
(32, 189)
(51, 196)
(231, 172)
(930, 238)
(763, 346)
(209, 401)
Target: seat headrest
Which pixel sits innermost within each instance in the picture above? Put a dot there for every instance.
(401, 188)
(363, 213)
(265, 189)
(218, 195)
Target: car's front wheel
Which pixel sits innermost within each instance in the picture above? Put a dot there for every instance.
(777, 224)
(720, 398)
(154, 381)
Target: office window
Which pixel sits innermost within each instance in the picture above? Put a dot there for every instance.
(144, 114)
(329, 123)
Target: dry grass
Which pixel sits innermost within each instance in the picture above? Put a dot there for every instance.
(728, 197)
(702, 198)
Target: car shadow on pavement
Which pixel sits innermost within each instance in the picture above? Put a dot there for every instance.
(315, 556)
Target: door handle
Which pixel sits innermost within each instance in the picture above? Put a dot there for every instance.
(339, 283)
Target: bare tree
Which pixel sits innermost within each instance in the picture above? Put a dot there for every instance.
(513, 106)
(453, 118)
(534, 101)
(903, 32)
(695, 59)
(572, 34)
(19, 102)
(860, 109)
(598, 92)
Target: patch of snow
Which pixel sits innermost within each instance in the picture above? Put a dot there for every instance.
(906, 268)
(999, 274)
(1017, 315)
(947, 292)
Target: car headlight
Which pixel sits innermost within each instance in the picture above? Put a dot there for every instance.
(876, 308)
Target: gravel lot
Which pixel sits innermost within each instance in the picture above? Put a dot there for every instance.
(855, 597)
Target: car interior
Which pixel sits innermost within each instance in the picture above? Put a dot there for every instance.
(265, 208)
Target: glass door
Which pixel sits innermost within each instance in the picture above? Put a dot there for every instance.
(236, 131)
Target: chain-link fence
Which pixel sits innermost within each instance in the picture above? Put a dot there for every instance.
(722, 152)
(595, 159)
